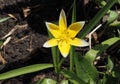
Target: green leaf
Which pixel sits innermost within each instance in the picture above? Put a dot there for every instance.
(113, 16)
(105, 77)
(4, 19)
(98, 49)
(110, 64)
(85, 70)
(96, 18)
(47, 81)
(101, 3)
(1, 41)
(116, 73)
(72, 77)
(118, 1)
(115, 24)
(64, 82)
(24, 70)
(111, 80)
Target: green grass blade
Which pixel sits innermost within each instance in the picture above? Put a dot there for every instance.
(74, 12)
(72, 50)
(24, 70)
(96, 19)
(98, 49)
(4, 19)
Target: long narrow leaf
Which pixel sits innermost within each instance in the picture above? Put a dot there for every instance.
(72, 50)
(97, 18)
(4, 19)
(74, 12)
(24, 70)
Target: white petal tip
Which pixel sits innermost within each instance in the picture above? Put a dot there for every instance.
(47, 22)
(64, 55)
(62, 11)
(84, 44)
(82, 22)
(46, 45)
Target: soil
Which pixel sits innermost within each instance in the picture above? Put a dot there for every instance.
(29, 33)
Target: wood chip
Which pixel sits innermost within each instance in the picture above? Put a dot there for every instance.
(2, 60)
(6, 42)
(26, 11)
(12, 16)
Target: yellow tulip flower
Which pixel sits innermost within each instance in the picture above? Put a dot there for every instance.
(65, 37)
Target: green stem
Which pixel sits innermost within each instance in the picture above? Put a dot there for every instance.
(74, 12)
(72, 59)
(58, 60)
(55, 56)
(61, 61)
(72, 48)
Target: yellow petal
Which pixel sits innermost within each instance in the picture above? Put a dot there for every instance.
(64, 48)
(62, 21)
(74, 28)
(78, 42)
(51, 43)
(54, 29)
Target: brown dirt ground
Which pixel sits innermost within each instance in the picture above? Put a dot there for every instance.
(28, 35)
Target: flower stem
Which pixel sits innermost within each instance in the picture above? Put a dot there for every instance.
(72, 48)
(55, 56)
(61, 61)
(72, 59)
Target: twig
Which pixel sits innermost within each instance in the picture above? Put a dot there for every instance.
(2, 59)
(21, 39)
(6, 42)
(13, 30)
(90, 34)
(9, 33)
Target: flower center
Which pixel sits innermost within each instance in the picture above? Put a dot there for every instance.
(65, 36)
